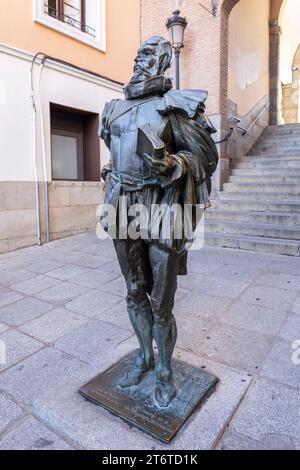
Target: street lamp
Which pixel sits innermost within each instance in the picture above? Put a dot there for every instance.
(176, 26)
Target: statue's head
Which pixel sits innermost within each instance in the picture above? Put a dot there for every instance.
(153, 58)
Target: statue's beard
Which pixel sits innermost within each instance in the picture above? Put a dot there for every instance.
(141, 75)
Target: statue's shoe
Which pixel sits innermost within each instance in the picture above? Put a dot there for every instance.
(135, 375)
(165, 390)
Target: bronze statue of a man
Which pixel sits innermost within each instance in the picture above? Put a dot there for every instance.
(180, 176)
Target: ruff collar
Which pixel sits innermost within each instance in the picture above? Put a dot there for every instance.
(157, 85)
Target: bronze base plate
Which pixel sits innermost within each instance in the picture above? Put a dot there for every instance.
(136, 405)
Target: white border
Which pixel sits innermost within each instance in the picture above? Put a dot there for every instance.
(63, 68)
(99, 43)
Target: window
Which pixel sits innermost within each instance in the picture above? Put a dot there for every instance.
(84, 20)
(71, 12)
(75, 149)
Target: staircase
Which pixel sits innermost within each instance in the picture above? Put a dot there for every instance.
(259, 208)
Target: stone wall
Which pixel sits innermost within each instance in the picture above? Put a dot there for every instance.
(239, 145)
(72, 209)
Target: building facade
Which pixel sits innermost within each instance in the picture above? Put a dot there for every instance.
(60, 61)
(232, 49)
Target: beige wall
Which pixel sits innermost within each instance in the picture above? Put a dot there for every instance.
(289, 39)
(248, 54)
(122, 37)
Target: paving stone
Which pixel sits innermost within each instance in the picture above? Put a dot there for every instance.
(67, 272)
(270, 297)
(296, 306)
(290, 330)
(202, 305)
(244, 272)
(56, 253)
(192, 331)
(45, 373)
(32, 435)
(190, 281)
(221, 287)
(94, 279)
(296, 444)
(277, 441)
(254, 317)
(289, 266)
(92, 427)
(8, 297)
(279, 364)
(118, 316)
(112, 267)
(16, 260)
(235, 346)
(43, 266)
(18, 346)
(3, 328)
(215, 295)
(13, 276)
(196, 266)
(116, 287)
(92, 340)
(103, 249)
(24, 310)
(280, 280)
(9, 411)
(86, 260)
(53, 325)
(93, 303)
(180, 294)
(35, 285)
(234, 441)
(62, 293)
(270, 408)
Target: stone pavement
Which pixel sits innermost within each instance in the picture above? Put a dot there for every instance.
(63, 320)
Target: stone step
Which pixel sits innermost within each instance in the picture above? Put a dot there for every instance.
(267, 172)
(287, 188)
(269, 158)
(265, 163)
(277, 218)
(233, 204)
(266, 179)
(253, 229)
(259, 244)
(266, 137)
(283, 142)
(259, 196)
(274, 152)
(284, 129)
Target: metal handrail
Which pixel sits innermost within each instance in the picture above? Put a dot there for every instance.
(245, 131)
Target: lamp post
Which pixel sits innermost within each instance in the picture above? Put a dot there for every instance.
(176, 26)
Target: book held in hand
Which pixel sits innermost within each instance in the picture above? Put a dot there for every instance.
(149, 142)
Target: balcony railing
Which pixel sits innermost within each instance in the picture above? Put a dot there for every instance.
(76, 23)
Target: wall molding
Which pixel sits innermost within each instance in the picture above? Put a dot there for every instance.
(63, 68)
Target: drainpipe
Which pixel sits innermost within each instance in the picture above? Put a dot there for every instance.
(37, 191)
(47, 229)
(34, 158)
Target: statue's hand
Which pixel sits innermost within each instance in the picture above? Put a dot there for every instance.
(160, 166)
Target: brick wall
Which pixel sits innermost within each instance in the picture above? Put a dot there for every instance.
(204, 60)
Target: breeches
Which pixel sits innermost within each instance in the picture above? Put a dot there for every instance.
(148, 271)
